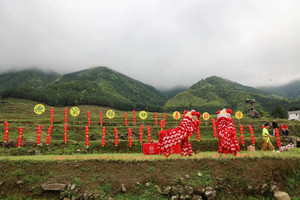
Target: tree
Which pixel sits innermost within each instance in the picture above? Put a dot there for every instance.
(278, 112)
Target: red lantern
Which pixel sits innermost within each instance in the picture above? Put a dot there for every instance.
(130, 137)
(141, 133)
(101, 119)
(6, 128)
(38, 137)
(252, 135)
(155, 118)
(277, 137)
(164, 116)
(65, 133)
(161, 124)
(87, 139)
(51, 115)
(48, 135)
(149, 133)
(214, 127)
(116, 136)
(133, 112)
(66, 115)
(125, 117)
(198, 133)
(103, 136)
(242, 135)
(20, 137)
(89, 118)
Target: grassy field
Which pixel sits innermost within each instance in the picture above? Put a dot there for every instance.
(292, 153)
(103, 169)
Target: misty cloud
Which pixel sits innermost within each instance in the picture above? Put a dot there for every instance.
(161, 43)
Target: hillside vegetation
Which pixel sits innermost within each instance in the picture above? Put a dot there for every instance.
(95, 86)
(215, 93)
(105, 87)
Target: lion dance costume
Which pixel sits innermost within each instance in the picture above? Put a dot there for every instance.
(228, 141)
(168, 139)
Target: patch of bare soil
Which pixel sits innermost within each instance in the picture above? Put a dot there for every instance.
(230, 177)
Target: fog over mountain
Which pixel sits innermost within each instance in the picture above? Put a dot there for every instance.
(162, 43)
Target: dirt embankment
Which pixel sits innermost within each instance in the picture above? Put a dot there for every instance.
(229, 177)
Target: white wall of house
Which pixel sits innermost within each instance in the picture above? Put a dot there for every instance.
(294, 115)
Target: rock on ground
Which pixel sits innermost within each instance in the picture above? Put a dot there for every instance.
(279, 195)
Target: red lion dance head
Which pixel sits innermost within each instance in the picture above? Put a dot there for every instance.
(168, 139)
(228, 142)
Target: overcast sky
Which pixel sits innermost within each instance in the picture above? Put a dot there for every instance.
(164, 43)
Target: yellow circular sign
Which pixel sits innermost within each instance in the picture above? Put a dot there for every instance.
(39, 109)
(239, 115)
(206, 116)
(110, 114)
(176, 115)
(143, 114)
(74, 111)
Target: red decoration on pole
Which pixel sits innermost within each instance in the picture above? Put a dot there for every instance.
(38, 137)
(242, 135)
(198, 134)
(20, 137)
(130, 137)
(6, 128)
(116, 136)
(277, 137)
(51, 115)
(141, 133)
(125, 116)
(103, 136)
(252, 135)
(149, 133)
(155, 118)
(66, 115)
(101, 119)
(214, 127)
(133, 112)
(87, 139)
(48, 135)
(89, 118)
(65, 133)
(164, 116)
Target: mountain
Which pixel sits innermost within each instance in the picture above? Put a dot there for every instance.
(290, 91)
(29, 78)
(98, 86)
(215, 93)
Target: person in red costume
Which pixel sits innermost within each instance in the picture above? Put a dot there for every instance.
(170, 138)
(228, 141)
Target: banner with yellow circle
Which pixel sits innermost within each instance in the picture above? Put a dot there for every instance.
(39, 109)
(239, 115)
(74, 111)
(110, 114)
(206, 116)
(143, 115)
(176, 115)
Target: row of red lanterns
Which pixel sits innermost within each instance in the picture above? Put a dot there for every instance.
(277, 137)
(6, 128)
(49, 135)
(252, 135)
(20, 137)
(214, 127)
(242, 135)
(38, 137)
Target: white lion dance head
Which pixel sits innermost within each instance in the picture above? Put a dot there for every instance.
(228, 142)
